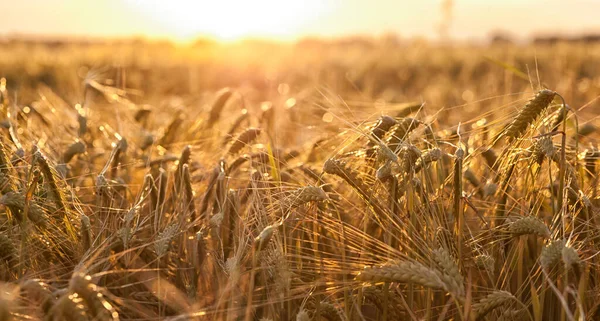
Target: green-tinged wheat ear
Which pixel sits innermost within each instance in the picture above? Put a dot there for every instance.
(7, 249)
(543, 147)
(74, 149)
(491, 302)
(218, 104)
(529, 225)
(382, 126)
(529, 113)
(552, 253)
(403, 272)
(570, 257)
(485, 262)
(427, 157)
(450, 272)
(402, 128)
(330, 312)
(164, 239)
(243, 139)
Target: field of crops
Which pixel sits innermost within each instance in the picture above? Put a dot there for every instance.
(347, 180)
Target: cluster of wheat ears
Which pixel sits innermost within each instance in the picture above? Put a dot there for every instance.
(387, 219)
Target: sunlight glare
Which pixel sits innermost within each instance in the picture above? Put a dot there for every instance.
(229, 20)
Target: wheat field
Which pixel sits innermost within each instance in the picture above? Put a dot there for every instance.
(348, 180)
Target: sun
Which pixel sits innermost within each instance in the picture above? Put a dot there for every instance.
(229, 20)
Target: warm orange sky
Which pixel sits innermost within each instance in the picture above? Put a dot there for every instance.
(293, 19)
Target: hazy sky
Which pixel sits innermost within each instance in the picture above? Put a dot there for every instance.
(291, 19)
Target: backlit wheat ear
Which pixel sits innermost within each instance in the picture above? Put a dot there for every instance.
(491, 302)
(98, 307)
(400, 131)
(244, 139)
(234, 127)
(340, 168)
(450, 272)
(543, 147)
(380, 129)
(403, 272)
(552, 254)
(7, 183)
(217, 107)
(529, 225)
(74, 149)
(408, 154)
(16, 203)
(428, 157)
(304, 195)
(529, 113)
